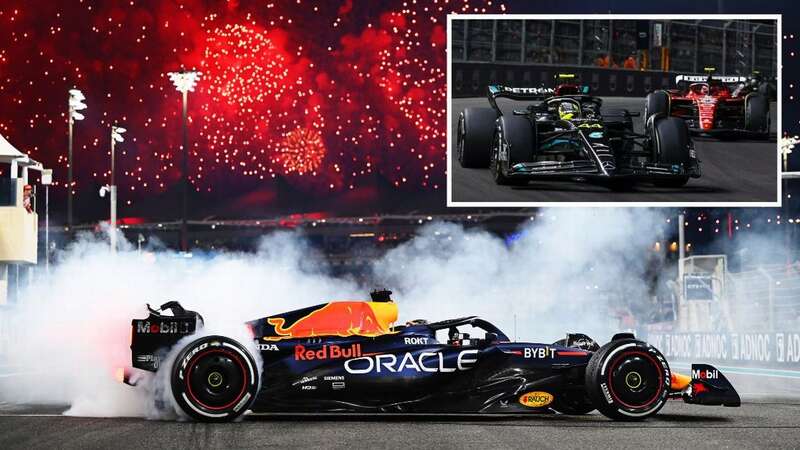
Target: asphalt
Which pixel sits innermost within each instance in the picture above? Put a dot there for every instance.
(754, 425)
(733, 171)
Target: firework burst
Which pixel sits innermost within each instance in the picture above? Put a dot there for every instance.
(301, 151)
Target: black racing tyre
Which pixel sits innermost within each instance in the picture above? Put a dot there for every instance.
(672, 141)
(474, 136)
(656, 103)
(671, 136)
(756, 113)
(628, 379)
(573, 403)
(214, 379)
(515, 139)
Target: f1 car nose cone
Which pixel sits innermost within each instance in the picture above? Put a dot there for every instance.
(215, 379)
(633, 380)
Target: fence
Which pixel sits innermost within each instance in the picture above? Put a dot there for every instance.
(731, 46)
(755, 322)
(764, 299)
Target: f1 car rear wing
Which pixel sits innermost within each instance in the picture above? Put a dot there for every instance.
(496, 91)
(704, 78)
(153, 336)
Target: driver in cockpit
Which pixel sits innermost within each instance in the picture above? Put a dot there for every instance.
(568, 111)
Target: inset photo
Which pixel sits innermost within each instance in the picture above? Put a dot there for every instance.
(613, 110)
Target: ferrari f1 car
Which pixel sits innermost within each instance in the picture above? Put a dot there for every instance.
(350, 357)
(724, 106)
(562, 134)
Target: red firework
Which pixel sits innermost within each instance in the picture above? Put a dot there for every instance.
(301, 151)
(255, 90)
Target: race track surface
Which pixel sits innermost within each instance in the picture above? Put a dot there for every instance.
(754, 425)
(733, 171)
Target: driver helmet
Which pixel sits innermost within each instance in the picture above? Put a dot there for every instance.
(567, 111)
(453, 336)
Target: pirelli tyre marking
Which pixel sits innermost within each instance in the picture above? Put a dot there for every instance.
(224, 404)
(658, 398)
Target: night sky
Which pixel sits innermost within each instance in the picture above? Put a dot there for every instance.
(325, 100)
(324, 96)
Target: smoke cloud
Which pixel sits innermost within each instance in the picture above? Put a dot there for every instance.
(566, 270)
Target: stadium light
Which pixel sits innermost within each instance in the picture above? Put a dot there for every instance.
(116, 133)
(116, 136)
(74, 104)
(185, 81)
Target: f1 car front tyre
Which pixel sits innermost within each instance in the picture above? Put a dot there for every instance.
(474, 136)
(756, 114)
(214, 379)
(628, 379)
(514, 141)
(672, 141)
(656, 103)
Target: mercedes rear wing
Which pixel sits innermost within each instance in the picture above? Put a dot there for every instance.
(496, 91)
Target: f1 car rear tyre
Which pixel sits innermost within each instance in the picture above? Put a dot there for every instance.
(214, 379)
(514, 141)
(628, 379)
(474, 136)
(671, 138)
(656, 103)
(756, 113)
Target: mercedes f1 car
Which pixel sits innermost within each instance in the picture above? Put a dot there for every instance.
(562, 134)
(349, 356)
(723, 106)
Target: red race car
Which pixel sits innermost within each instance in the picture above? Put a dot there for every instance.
(724, 106)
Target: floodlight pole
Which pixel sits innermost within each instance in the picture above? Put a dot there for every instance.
(185, 81)
(47, 229)
(113, 197)
(69, 170)
(185, 173)
(681, 246)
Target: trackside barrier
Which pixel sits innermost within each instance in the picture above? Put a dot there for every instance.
(469, 79)
(778, 350)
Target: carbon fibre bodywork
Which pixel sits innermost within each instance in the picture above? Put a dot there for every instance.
(409, 370)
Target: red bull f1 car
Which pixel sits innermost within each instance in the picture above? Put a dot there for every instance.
(350, 356)
(562, 134)
(723, 106)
